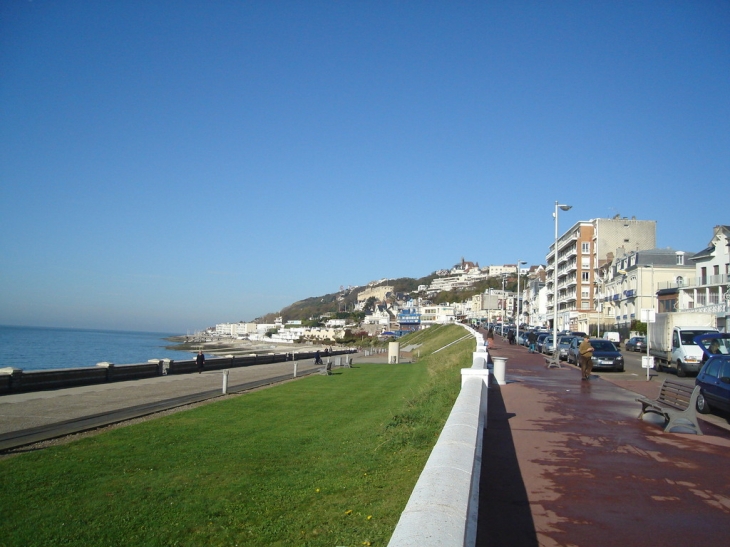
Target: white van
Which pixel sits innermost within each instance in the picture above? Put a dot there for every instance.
(613, 337)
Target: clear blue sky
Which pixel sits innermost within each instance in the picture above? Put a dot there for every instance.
(165, 166)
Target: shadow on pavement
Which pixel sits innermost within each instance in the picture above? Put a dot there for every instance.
(505, 517)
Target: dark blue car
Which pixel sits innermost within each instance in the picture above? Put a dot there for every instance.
(714, 376)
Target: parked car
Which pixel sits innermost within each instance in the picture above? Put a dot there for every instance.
(540, 339)
(636, 343)
(563, 345)
(605, 354)
(714, 376)
(522, 340)
(613, 336)
(548, 347)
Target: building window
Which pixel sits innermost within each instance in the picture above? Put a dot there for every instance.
(585, 276)
(585, 247)
(680, 259)
(585, 305)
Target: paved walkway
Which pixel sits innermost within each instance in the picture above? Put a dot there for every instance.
(39, 409)
(567, 462)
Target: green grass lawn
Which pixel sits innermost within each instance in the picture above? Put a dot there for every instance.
(319, 461)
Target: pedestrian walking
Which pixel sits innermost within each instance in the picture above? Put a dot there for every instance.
(531, 340)
(200, 361)
(490, 338)
(317, 358)
(585, 357)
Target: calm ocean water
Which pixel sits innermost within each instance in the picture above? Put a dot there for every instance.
(31, 348)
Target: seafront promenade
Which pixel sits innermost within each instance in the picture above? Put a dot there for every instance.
(565, 462)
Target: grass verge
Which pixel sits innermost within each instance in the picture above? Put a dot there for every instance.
(320, 461)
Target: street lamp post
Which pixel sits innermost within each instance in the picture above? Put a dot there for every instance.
(649, 319)
(517, 314)
(602, 282)
(504, 303)
(556, 355)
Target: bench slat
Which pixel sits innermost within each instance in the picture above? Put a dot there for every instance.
(677, 396)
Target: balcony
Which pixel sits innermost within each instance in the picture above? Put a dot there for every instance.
(690, 282)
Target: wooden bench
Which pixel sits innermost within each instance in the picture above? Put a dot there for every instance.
(326, 369)
(676, 404)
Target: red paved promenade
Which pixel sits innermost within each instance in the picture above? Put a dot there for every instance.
(568, 463)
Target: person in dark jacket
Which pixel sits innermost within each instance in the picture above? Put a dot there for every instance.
(200, 361)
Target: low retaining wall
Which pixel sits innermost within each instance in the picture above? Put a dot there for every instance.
(443, 507)
(14, 380)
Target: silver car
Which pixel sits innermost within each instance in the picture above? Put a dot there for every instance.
(547, 345)
(563, 345)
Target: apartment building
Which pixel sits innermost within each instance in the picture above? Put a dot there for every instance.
(629, 284)
(505, 269)
(581, 250)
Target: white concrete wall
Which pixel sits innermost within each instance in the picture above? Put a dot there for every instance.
(443, 508)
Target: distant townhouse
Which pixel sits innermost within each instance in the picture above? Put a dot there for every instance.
(335, 323)
(378, 317)
(235, 330)
(506, 269)
(534, 299)
(437, 315)
(461, 276)
(707, 287)
(408, 319)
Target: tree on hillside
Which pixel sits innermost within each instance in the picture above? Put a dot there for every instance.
(370, 303)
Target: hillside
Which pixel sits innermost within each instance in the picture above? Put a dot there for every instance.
(343, 303)
(340, 302)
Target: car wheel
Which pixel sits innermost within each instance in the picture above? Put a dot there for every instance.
(702, 406)
(681, 373)
(658, 366)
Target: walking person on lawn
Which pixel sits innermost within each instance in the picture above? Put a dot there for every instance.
(585, 357)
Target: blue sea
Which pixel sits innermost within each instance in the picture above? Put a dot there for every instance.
(35, 348)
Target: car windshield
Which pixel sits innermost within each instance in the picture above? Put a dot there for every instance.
(688, 337)
(603, 345)
(714, 344)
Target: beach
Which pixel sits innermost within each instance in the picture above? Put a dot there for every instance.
(222, 347)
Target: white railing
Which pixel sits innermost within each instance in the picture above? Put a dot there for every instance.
(443, 507)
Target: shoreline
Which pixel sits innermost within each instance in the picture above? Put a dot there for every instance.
(237, 348)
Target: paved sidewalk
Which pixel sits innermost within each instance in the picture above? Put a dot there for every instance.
(40, 408)
(567, 462)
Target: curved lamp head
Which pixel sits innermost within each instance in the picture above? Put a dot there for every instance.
(565, 207)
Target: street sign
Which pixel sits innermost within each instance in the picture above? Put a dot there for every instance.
(647, 361)
(648, 315)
